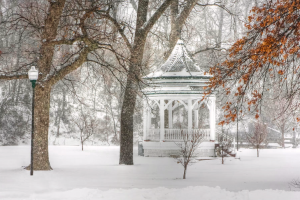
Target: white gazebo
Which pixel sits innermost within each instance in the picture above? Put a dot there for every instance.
(172, 101)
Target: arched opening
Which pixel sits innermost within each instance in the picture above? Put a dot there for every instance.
(200, 115)
(180, 115)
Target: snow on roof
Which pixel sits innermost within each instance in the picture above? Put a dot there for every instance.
(179, 64)
(180, 60)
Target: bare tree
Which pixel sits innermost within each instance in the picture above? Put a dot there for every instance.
(58, 37)
(258, 135)
(87, 125)
(143, 27)
(188, 148)
(295, 184)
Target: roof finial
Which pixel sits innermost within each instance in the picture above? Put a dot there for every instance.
(180, 41)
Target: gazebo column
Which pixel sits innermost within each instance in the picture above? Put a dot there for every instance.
(196, 123)
(145, 119)
(170, 109)
(212, 118)
(148, 119)
(162, 119)
(190, 115)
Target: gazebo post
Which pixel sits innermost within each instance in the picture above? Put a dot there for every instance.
(212, 118)
(162, 119)
(190, 116)
(148, 118)
(170, 109)
(145, 119)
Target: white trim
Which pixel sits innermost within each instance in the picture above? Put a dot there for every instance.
(181, 101)
(190, 115)
(212, 118)
(153, 102)
(144, 119)
(166, 105)
(162, 119)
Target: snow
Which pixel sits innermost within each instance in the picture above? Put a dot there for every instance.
(95, 174)
(182, 73)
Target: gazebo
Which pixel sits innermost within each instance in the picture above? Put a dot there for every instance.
(172, 101)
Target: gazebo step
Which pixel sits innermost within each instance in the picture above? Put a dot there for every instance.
(165, 149)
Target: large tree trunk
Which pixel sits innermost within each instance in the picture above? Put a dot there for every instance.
(41, 126)
(43, 90)
(126, 138)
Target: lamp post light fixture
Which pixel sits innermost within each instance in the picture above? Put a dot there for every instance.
(33, 75)
(223, 51)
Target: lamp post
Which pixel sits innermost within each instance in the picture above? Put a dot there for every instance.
(237, 128)
(33, 76)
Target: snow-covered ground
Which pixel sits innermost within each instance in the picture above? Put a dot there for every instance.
(95, 174)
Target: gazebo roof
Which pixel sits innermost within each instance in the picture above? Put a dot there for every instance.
(179, 65)
(178, 75)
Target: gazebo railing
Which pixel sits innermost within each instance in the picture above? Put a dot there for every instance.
(175, 134)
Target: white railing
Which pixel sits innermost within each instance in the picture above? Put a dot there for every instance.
(177, 134)
(153, 134)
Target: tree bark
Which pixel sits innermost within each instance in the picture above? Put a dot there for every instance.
(41, 126)
(126, 138)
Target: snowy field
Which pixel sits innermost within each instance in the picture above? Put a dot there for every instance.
(95, 174)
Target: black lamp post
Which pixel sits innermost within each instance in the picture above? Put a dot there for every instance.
(33, 76)
(237, 128)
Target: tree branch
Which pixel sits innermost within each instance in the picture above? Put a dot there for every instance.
(148, 25)
(13, 77)
(120, 29)
(207, 49)
(67, 42)
(68, 69)
(186, 11)
(216, 4)
(177, 23)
